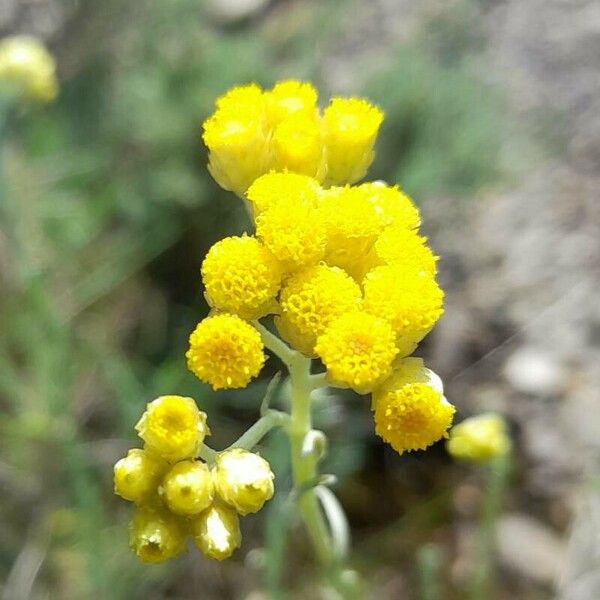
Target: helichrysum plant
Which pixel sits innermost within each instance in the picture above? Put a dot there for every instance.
(334, 279)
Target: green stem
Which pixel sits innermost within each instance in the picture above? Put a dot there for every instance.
(277, 346)
(272, 418)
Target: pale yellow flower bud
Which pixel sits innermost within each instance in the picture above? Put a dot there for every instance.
(216, 531)
(479, 439)
(26, 64)
(138, 474)
(173, 427)
(156, 535)
(244, 480)
(188, 488)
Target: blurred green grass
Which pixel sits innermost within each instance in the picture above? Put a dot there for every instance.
(106, 213)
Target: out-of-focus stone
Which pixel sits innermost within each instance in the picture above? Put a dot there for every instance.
(536, 372)
(235, 10)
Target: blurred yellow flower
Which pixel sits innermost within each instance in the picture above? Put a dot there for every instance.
(479, 439)
(137, 475)
(26, 64)
(216, 531)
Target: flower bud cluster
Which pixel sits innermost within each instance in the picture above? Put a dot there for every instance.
(178, 495)
(253, 131)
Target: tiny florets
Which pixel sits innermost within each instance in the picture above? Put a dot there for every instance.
(225, 352)
(410, 410)
(479, 439)
(243, 480)
(173, 427)
(187, 488)
(358, 350)
(241, 276)
(411, 301)
(291, 98)
(311, 299)
(350, 129)
(156, 535)
(216, 531)
(392, 205)
(283, 188)
(137, 475)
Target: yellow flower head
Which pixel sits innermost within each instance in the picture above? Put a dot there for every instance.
(284, 188)
(243, 480)
(310, 300)
(173, 427)
(216, 531)
(293, 232)
(350, 129)
(290, 98)
(137, 475)
(188, 488)
(238, 144)
(352, 226)
(225, 352)
(411, 301)
(156, 535)
(358, 350)
(479, 439)
(241, 276)
(296, 146)
(26, 64)
(405, 249)
(243, 97)
(410, 410)
(392, 205)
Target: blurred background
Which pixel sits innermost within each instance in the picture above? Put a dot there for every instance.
(492, 125)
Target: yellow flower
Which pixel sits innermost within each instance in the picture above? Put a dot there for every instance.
(411, 412)
(26, 64)
(173, 427)
(358, 350)
(290, 98)
(352, 226)
(243, 480)
(310, 300)
(282, 188)
(156, 535)
(216, 531)
(225, 352)
(412, 302)
(350, 129)
(403, 248)
(392, 205)
(237, 140)
(137, 475)
(243, 97)
(241, 276)
(188, 488)
(297, 146)
(293, 232)
(479, 439)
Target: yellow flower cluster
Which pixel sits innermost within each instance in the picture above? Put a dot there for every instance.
(177, 495)
(254, 131)
(26, 65)
(342, 267)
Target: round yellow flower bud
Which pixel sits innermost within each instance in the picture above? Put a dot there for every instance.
(225, 352)
(283, 188)
(243, 480)
(410, 410)
(137, 475)
(358, 350)
(238, 141)
(216, 531)
(310, 300)
(173, 427)
(26, 64)
(412, 302)
(392, 205)
(296, 145)
(188, 488)
(479, 439)
(243, 97)
(241, 276)
(293, 233)
(350, 129)
(156, 535)
(290, 98)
